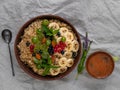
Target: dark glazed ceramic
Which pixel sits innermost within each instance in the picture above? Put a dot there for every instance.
(30, 71)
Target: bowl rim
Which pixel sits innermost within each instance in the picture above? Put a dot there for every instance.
(92, 55)
(21, 64)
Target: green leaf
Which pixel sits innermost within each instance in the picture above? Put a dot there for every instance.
(36, 61)
(45, 55)
(40, 34)
(55, 32)
(38, 31)
(45, 28)
(115, 58)
(44, 61)
(37, 47)
(46, 71)
(49, 61)
(39, 66)
(49, 34)
(53, 66)
(48, 42)
(43, 47)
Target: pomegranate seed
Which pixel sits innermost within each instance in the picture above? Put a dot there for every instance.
(31, 48)
(59, 47)
(59, 50)
(55, 50)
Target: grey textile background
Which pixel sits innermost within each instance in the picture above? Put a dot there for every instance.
(100, 18)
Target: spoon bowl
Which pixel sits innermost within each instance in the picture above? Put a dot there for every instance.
(7, 35)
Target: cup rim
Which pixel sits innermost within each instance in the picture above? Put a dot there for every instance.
(91, 55)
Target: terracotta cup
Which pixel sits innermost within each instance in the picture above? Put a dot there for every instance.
(100, 64)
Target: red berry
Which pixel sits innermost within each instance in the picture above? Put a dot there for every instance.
(62, 48)
(55, 50)
(61, 42)
(59, 49)
(31, 48)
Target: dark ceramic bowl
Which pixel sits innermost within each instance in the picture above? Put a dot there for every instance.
(29, 70)
(100, 64)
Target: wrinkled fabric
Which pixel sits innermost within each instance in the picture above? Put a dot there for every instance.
(100, 18)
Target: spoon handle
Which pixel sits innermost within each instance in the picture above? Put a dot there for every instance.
(11, 61)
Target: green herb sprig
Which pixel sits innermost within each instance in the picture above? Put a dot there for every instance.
(86, 48)
(45, 62)
(49, 31)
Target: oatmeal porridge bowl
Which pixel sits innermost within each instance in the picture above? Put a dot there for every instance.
(47, 47)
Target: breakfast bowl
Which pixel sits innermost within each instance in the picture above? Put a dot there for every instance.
(47, 47)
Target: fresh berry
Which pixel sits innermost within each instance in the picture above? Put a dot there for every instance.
(45, 22)
(31, 48)
(27, 43)
(33, 54)
(50, 50)
(74, 54)
(59, 47)
(58, 34)
(40, 51)
(50, 46)
(63, 39)
(62, 52)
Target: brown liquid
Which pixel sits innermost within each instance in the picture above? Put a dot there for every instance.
(100, 65)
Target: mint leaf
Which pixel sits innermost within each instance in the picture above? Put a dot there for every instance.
(45, 55)
(49, 34)
(45, 28)
(55, 32)
(49, 61)
(39, 66)
(46, 71)
(53, 66)
(36, 61)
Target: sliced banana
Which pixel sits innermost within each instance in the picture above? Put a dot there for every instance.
(75, 45)
(62, 62)
(54, 71)
(58, 55)
(63, 31)
(56, 61)
(70, 62)
(40, 71)
(54, 26)
(58, 39)
(69, 46)
(68, 54)
(63, 69)
(69, 36)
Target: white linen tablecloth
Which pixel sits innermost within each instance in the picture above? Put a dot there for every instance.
(100, 18)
